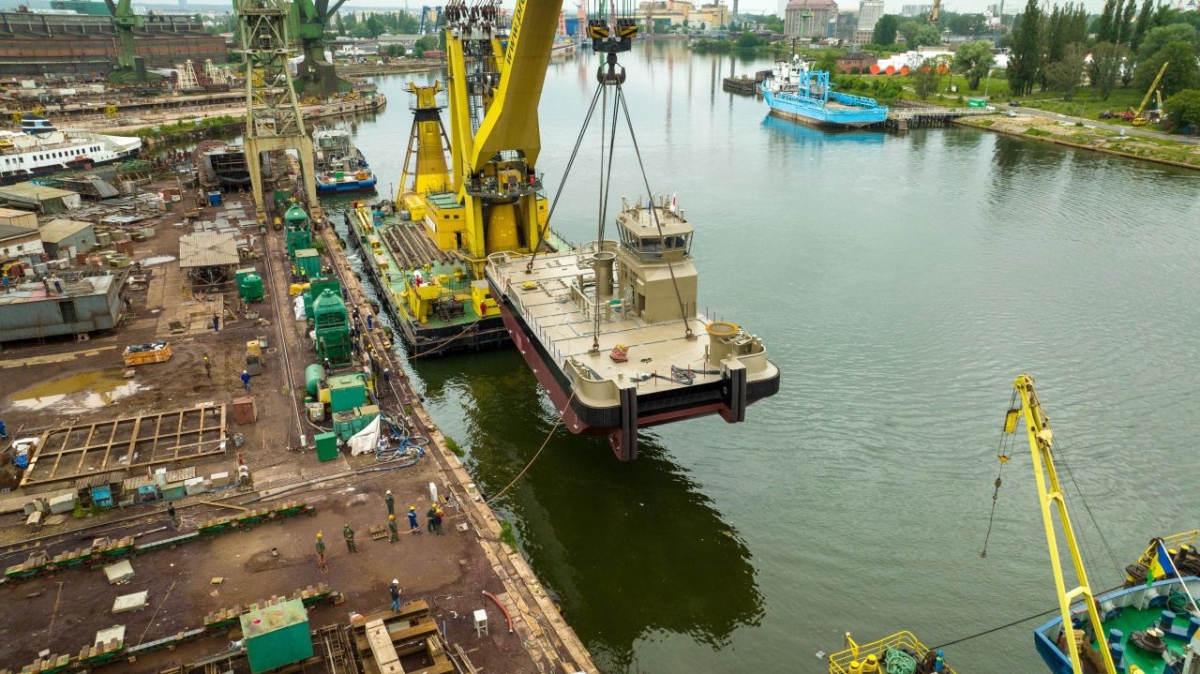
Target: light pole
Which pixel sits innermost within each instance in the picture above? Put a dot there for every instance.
(988, 83)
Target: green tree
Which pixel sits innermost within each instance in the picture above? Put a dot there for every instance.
(1064, 75)
(1025, 56)
(1183, 109)
(423, 44)
(975, 60)
(909, 30)
(749, 41)
(928, 36)
(927, 78)
(1157, 38)
(1125, 28)
(827, 61)
(1145, 21)
(1105, 27)
(885, 30)
(341, 25)
(1108, 61)
(1181, 74)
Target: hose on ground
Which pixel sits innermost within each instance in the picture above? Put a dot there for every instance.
(503, 610)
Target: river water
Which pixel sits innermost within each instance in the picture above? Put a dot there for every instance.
(901, 283)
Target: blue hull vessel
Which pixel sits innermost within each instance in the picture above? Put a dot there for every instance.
(801, 95)
(367, 185)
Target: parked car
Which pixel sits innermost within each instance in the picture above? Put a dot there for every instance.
(1015, 104)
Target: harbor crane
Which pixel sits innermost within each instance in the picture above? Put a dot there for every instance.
(315, 74)
(130, 66)
(935, 12)
(1050, 495)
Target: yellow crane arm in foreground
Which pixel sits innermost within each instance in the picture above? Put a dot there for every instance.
(1050, 495)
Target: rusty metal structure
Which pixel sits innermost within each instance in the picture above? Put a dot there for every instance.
(35, 44)
(273, 119)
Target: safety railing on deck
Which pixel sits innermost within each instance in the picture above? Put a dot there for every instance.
(901, 646)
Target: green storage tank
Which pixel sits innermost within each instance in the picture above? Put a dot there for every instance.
(296, 217)
(276, 635)
(327, 446)
(308, 262)
(250, 287)
(313, 374)
(331, 325)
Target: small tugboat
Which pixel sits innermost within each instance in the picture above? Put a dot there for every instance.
(1150, 627)
(801, 95)
(341, 167)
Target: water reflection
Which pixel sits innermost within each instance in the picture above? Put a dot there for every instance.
(618, 542)
(781, 131)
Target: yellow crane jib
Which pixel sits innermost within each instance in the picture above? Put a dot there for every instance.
(1050, 496)
(1138, 119)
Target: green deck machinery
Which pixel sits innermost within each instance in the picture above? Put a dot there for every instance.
(299, 230)
(332, 326)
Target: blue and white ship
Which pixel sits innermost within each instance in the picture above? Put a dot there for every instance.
(341, 167)
(796, 93)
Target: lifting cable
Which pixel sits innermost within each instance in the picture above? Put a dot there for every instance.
(1010, 624)
(653, 212)
(605, 187)
(537, 454)
(587, 120)
(1004, 453)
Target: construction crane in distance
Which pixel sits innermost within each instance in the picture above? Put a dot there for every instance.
(935, 12)
(437, 21)
(130, 66)
(1137, 119)
(315, 75)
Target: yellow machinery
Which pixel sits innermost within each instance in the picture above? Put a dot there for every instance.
(428, 146)
(875, 656)
(935, 13)
(1138, 119)
(1051, 497)
(495, 140)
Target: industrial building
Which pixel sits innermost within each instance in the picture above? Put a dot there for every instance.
(810, 19)
(72, 303)
(66, 238)
(208, 258)
(40, 44)
(20, 244)
(34, 197)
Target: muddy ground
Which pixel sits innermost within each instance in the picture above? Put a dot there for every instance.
(55, 382)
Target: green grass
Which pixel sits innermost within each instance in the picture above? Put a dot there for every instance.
(1086, 103)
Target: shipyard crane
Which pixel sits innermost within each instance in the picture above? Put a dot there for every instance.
(493, 93)
(935, 12)
(1051, 497)
(437, 20)
(130, 66)
(315, 74)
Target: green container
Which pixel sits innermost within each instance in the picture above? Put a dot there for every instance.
(276, 635)
(313, 374)
(346, 393)
(327, 447)
(308, 260)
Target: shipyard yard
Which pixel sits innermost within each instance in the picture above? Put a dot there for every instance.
(898, 282)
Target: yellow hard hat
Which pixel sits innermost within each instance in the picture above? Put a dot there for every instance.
(391, 517)
(318, 534)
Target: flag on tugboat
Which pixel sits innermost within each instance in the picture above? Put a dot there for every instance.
(1160, 565)
(674, 207)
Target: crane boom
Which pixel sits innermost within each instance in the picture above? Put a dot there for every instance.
(1050, 495)
(1151, 90)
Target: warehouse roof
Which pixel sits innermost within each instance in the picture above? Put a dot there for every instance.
(33, 191)
(14, 213)
(13, 231)
(61, 228)
(207, 249)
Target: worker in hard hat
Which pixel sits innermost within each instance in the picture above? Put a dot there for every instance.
(348, 534)
(390, 501)
(393, 536)
(429, 515)
(394, 589)
(321, 565)
(413, 527)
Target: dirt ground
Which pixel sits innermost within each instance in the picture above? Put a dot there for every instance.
(62, 612)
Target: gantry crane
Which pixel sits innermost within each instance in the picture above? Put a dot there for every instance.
(273, 118)
(130, 66)
(315, 74)
(1050, 495)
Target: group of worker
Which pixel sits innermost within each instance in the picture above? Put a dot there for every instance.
(433, 523)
